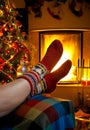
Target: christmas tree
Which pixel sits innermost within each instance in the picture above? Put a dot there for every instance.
(13, 48)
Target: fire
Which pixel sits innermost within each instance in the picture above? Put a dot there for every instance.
(71, 75)
(71, 50)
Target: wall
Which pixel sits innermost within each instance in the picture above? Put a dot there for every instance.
(19, 3)
(86, 46)
(68, 19)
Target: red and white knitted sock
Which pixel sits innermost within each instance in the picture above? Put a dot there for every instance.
(51, 57)
(48, 83)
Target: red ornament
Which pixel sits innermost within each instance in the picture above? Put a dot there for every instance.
(15, 47)
(1, 34)
(3, 82)
(2, 63)
(18, 23)
(11, 29)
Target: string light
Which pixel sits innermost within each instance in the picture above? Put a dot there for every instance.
(12, 46)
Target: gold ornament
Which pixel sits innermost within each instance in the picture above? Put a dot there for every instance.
(1, 13)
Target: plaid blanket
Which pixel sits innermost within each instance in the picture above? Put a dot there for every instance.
(42, 113)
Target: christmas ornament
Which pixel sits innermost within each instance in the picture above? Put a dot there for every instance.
(55, 10)
(22, 68)
(76, 6)
(1, 34)
(1, 13)
(35, 6)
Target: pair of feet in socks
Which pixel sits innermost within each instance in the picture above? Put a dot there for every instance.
(40, 78)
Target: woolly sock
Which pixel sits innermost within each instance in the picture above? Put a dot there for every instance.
(48, 83)
(51, 57)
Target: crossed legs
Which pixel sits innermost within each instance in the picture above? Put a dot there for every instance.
(40, 79)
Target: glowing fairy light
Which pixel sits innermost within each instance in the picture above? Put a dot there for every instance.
(11, 42)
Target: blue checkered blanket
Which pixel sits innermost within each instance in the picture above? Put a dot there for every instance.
(41, 112)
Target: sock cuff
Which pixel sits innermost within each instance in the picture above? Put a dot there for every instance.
(42, 85)
(45, 84)
(40, 69)
(34, 76)
(31, 83)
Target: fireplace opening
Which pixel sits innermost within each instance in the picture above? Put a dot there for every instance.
(72, 49)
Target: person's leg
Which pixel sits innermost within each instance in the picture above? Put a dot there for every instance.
(14, 93)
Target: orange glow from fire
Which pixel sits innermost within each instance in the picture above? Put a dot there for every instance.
(86, 74)
(69, 48)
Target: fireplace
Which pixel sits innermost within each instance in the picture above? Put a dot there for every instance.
(72, 44)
